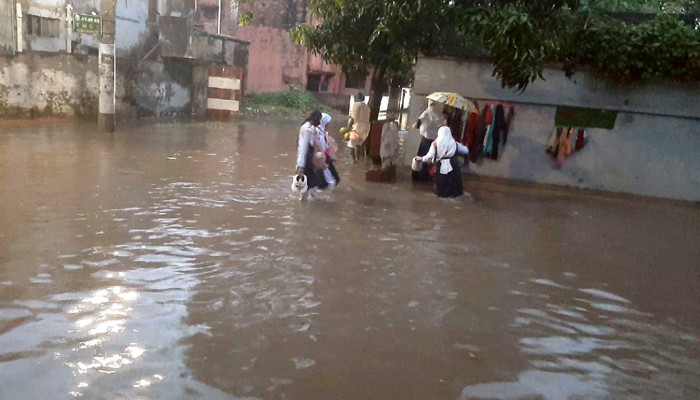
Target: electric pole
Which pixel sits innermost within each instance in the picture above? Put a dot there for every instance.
(107, 67)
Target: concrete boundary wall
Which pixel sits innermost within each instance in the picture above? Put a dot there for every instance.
(47, 84)
(65, 85)
(654, 149)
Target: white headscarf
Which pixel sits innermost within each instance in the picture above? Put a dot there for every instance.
(321, 130)
(446, 148)
(325, 120)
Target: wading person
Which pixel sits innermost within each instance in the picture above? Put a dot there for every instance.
(428, 124)
(309, 153)
(359, 123)
(330, 174)
(442, 154)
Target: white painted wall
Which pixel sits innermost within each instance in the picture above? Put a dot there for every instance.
(654, 149)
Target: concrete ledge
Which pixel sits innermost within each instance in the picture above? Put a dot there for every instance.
(475, 183)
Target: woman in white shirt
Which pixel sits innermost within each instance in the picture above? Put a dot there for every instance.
(330, 174)
(306, 148)
(443, 153)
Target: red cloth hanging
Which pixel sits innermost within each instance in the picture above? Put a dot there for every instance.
(470, 130)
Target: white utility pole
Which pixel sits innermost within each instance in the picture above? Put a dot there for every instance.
(69, 28)
(20, 37)
(107, 67)
(218, 23)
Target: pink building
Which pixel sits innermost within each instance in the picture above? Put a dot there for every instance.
(276, 63)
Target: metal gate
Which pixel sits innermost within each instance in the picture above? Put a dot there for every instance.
(224, 92)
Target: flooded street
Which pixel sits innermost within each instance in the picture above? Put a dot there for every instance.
(169, 261)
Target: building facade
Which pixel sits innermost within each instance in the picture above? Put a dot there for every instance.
(164, 50)
(277, 63)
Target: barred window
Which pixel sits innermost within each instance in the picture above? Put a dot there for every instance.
(42, 27)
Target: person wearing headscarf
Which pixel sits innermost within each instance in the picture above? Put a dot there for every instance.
(443, 153)
(330, 174)
(308, 148)
(428, 124)
(359, 123)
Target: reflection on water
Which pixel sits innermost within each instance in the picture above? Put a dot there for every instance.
(170, 261)
(600, 347)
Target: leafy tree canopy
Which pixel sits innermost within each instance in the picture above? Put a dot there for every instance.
(518, 36)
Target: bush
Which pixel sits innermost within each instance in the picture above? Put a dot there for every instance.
(663, 47)
(293, 100)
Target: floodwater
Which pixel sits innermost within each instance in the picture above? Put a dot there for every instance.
(169, 261)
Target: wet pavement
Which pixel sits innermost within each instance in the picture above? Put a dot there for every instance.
(169, 261)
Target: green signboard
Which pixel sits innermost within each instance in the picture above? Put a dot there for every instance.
(578, 117)
(86, 23)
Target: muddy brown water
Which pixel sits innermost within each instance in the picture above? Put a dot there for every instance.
(169, 261)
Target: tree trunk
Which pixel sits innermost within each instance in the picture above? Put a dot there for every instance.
(377, 91)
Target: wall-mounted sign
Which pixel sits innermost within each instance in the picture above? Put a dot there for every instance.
(585, 118)
(86, 23)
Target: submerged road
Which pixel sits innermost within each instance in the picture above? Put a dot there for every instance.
(169, 261)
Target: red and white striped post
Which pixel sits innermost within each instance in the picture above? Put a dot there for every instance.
(224, 92)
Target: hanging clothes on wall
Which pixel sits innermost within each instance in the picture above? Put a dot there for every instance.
(580, 139)
(470, 129)
(479, 136)
(490, 132)
(455, 124)
(565, 141)
(488, 139)
(500, 130)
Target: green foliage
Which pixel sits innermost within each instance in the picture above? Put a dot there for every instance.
(651, 6)
(663, 47)
(519, 36)
(245, 18)
(360, 35)
(292, 101)
(520, 43)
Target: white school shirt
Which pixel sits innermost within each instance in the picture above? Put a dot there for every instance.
(461, 149)
(305, 140)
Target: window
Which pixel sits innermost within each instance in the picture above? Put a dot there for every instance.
(355, 81)
(42, 27)
(324, 84)
(209, 13)
(313, 82)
